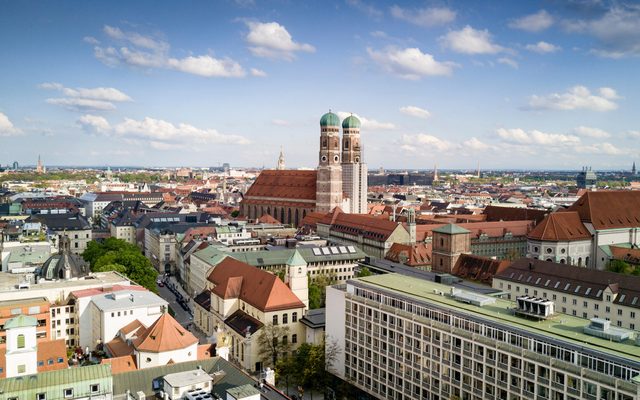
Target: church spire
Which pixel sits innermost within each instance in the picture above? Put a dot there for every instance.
(280, 165)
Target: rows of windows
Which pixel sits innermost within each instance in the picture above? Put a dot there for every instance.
(285, 318)
(448, 318)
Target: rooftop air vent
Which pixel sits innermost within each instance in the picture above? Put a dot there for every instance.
(534, 307)
(602, 328)
(471, 298)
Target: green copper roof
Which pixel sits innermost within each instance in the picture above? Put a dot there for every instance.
(351, 122)
(451, 229)
(296, 259)
(21, 321)
(330, 119)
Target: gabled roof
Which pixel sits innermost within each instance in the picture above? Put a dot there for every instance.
(561, 226)
(165, 335)
(478, 268)
(284, 184)
(413, 255)
(578, 281)
(499, 213)
(261, 289)
(121, 364)
(609, 209)
(369, 226)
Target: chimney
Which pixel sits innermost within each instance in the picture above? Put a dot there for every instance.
(530, 265)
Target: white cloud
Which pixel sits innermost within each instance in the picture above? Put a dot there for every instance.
(591, 132)
(423, 142)
(577, 97)
(543, 47)
(617, 31)
(368, 124)
(280, 122)
(258, 72)
(508, 61)
(471, 41)
(208, 66)
(90, 40)
(148, 52)
(536, 137)
(272, 40)
(534, 22)
(157, 133)
(379, 34)
(633, 134)
(602, 148)
(366, 8)
(426, 17)
(94, 123)
(6, 126)
(410, 63)
(99, 93)
(79, 104)
(415, 112)
(475, 144)
(86, 99)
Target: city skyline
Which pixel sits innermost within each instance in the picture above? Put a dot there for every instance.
(545, 86)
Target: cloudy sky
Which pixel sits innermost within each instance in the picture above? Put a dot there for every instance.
(509, 84)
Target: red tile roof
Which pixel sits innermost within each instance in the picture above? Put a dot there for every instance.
(415, 255)
(92, 292)
(164, 335)
(267, 219)
(478, 268)
(118, 347)
(561, 227)
(284, 184)
(121, 364)
(261, 289)
(500, 213)
(609, 209)
(366, 225)
(631, 256)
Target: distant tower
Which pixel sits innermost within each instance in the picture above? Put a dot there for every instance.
(39, 168)
(435, 173)
(16, 166)
(478, 171)
(280, 166)
(633, 169)
(329, 180)
(449, 242)
(297, 277)
(411, 222)
(354, 170)
(21, 356)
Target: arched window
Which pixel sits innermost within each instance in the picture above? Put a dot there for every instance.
(294, 317)
(441, 242)
(282, 215)
(289, 216)
(285, 318)
(296, 224)
(275, 319)
(21, 341)
(579, 261)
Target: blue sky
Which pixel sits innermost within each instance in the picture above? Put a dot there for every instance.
(510, 84)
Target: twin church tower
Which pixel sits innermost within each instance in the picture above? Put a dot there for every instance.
(342, 174)
(339, 181)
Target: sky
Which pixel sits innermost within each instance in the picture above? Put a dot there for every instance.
(507, 84)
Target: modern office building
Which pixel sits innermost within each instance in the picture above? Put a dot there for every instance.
(407, 338)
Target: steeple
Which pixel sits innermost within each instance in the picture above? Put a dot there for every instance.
(478, 171)
(435, 173)
(329, 182)
(633, 169)
(280, 165)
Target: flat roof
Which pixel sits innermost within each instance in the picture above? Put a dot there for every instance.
(186, 378)
(240, 392)
(126, 299)
(9, 281)
(29, 254)
(563, 327)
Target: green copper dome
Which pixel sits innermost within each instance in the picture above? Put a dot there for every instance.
(330, 119)
(351, 122)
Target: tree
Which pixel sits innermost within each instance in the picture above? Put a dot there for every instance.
(235, 213)
(273, 343)
(315, 296)
(364, 271)
(118, 255)
(318, 288)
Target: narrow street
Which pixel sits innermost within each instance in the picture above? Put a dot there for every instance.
(183, 317)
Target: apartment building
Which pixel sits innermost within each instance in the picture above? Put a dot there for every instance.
(407, 338)
(576, 291)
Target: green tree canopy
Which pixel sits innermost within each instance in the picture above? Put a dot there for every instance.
(117, 255)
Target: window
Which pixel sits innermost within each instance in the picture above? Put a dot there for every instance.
(148, 359)
(632, 314)
(95, 388)
(596, 306)
(608, 297)
(41, 396)
(294, 338)
(21, 341)
(285, 339)
(285, 318)
(21, 369)
(294, 317)
(50, 361)
(275, 320)
(68, 393)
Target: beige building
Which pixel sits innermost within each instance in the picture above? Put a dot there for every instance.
(576, 291)
(240, 300)
(407, 338)
(449, 242)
